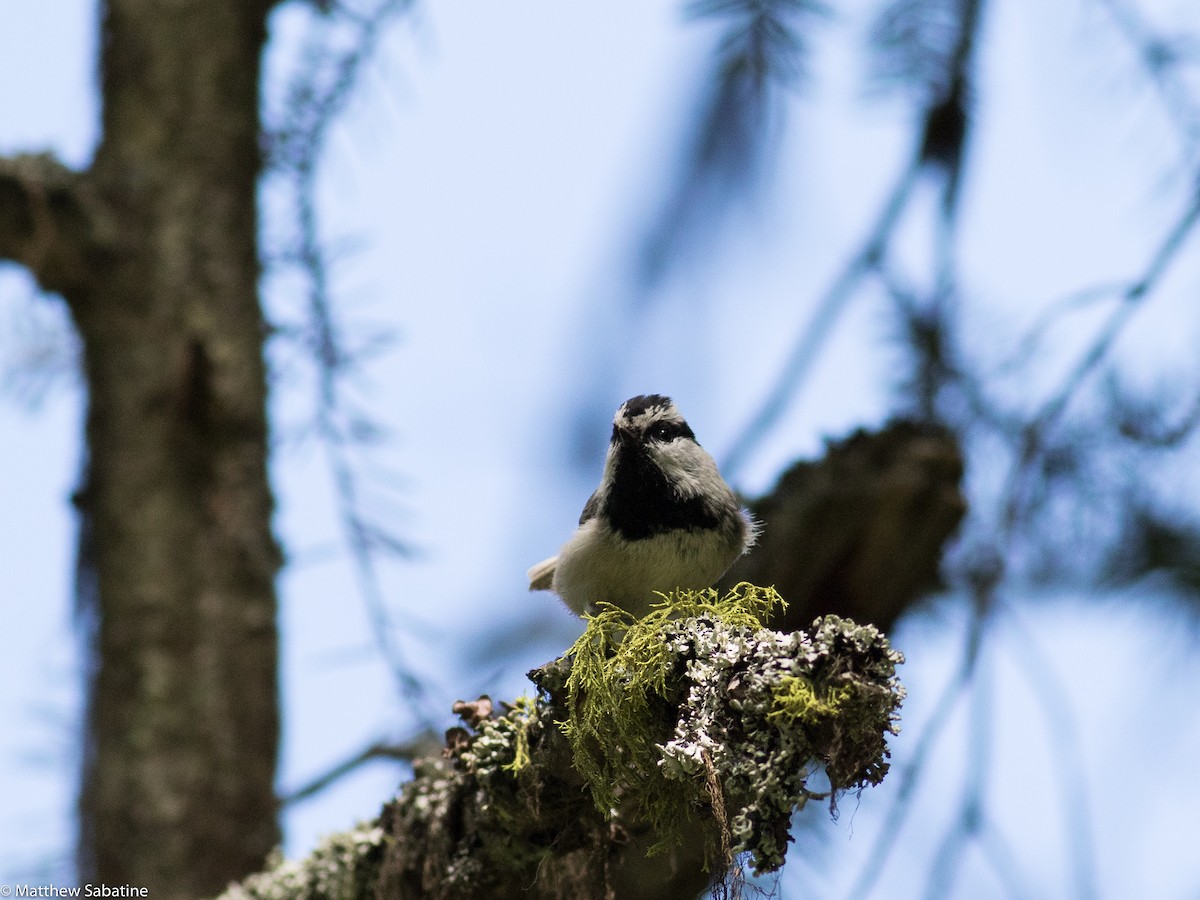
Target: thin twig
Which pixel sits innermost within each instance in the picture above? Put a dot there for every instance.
(1034, 436)
(297, 149)
(1002, 858)
(1050, 692)
(730, 146)
(930, 150)
(1029, 342)
(1160, 62)
(406, 751)
(1159, 435)
(889, 832)
(1031, 447)
(830, 307)
(972, 824)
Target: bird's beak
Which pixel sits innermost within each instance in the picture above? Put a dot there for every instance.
(622, 436)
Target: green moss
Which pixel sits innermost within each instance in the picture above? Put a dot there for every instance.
(502, 743)
(621, 706)
(797, 700)
(522, 715)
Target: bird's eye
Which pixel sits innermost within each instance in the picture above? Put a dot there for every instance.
(664, 431)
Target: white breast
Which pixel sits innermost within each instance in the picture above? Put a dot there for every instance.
(596, 565)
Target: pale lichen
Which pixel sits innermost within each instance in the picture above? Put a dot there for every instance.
(765, 708)
(344, 866)
(698, 690)
(501, 744)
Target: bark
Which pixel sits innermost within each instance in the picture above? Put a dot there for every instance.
(859, 533)
(154, 249)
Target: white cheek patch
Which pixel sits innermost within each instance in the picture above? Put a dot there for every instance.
(687, 466)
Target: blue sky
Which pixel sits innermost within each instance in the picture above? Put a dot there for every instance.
(492, 172)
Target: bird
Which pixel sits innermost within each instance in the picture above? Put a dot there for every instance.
(662, 518)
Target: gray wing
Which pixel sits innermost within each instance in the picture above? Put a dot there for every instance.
(590, 509)
(541, 576)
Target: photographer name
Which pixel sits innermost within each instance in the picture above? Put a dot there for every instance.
(87, 890)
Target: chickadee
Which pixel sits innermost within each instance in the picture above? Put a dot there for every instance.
(662, 518)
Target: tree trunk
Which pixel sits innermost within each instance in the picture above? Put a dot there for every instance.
(155, 251)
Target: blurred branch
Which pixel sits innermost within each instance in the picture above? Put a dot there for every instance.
(1161, 59)
(927, 334)
(1034, 437)
(948, 118)
(39, 350)
(812, 338)
(940, 147)
(972, 824)
(422, 745)
(1052, 312)
(51, 224)
(944, 33)
(1134, 294)
(328, 76)
(1033, 446)
(1060, 724)
(1003, 858)
(1141, 425)
(930, 45)
(759, 54)
(860, 532)
(930, 734)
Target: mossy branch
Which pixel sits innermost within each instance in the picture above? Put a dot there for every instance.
(691, 727)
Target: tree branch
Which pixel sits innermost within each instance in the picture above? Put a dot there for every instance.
(49, 223)
(859, 533)
(696, 734)
(833, 302)
(405, 751)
